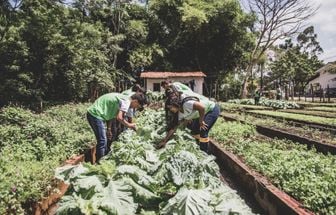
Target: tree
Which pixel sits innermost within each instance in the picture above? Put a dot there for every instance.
(277, 19)
(211, 36)
(50, 52)
(298, 62)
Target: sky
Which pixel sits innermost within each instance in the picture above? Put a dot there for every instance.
(324, 22)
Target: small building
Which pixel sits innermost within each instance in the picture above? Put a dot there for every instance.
(325, 77)
(153, 79)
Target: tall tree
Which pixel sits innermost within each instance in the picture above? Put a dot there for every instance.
(298, 63)
(277, 19)
(210, 35)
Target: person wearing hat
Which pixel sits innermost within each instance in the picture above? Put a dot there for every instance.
(198, 112)
(106, 108)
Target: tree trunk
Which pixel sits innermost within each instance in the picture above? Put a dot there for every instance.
(244, 91)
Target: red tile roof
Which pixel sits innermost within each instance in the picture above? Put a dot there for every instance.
(157, 74)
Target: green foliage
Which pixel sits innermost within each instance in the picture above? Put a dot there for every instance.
(276, 104)
(283, 125)
(297, 64)
(294, 116)
(177, 179)
(31, 146)
(210, 34)
(305, 174)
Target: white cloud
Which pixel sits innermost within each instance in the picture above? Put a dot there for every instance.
(324, 22)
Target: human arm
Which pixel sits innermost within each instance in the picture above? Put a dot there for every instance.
(168, 136)
(121, 119)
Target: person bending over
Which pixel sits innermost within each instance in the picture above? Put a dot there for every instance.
(199, 113)
(106, 108)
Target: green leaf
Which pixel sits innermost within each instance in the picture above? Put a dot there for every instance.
(189, 202)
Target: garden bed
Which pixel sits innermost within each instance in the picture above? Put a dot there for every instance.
(178, 179)
(31, 147)
(325, 109)
(270, 198)
(312, 113)
(276, 133)
(306, 175)
(323, 123)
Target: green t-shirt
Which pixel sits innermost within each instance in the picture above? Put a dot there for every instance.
(188, 109)
(107, 106)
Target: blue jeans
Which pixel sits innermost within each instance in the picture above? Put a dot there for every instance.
(98, 127)
(210, 118)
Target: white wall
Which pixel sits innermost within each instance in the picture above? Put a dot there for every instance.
(198, 88)
(325, 79)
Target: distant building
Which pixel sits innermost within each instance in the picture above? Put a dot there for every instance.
(324, 77)
(152, 79)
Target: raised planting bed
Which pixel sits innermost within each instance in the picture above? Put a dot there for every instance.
(318, 135)
(325, 109)
(270, 198)
(312, 121)
(276, 104)
(276, 133)
(312, 113)
(231, 107)
(139, 179)
(48, 204)
(316, 104)
(31, 147)
(306, 175)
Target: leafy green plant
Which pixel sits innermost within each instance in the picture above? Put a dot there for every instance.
(294, 116)
(283, 125)
(276, 104)
(177, 179)
(31, 146)
(305, 174)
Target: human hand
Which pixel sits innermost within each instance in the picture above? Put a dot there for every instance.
(132, 126)
(203, 126)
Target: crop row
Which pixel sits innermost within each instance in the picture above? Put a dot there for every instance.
(136, 178)
(305, 131)
(300, 117)
(276, 104)
(305, 174)
(312, 113)
(31, 147)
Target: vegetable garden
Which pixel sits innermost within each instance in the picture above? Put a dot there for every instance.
(137, 178)
(31, 147)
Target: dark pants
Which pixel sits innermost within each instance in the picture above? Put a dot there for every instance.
(256, 100)
(210, 118)
(98, 127)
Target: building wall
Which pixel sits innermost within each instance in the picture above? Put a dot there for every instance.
(324, 80)
(198, 82)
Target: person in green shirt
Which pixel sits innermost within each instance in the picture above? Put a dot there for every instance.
(174, 89)
(198, 112)
(106, 108)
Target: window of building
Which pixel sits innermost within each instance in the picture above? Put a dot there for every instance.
(156, 87)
